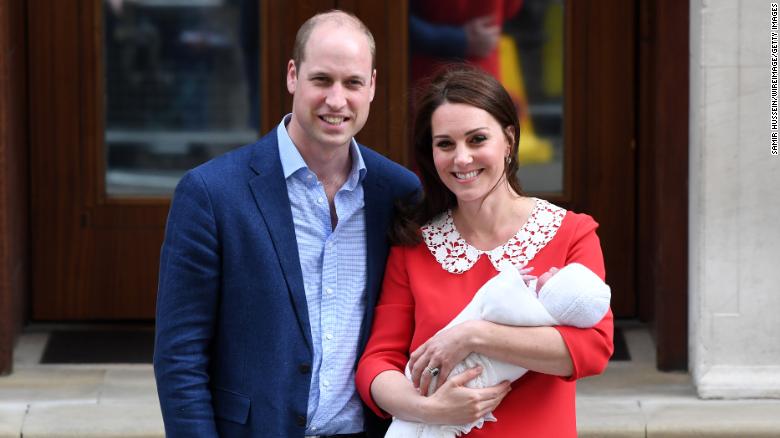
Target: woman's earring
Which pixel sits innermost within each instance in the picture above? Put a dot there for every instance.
(508, 159)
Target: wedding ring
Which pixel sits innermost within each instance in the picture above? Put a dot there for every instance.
(434, 371)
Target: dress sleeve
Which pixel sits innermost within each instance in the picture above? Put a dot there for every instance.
(437, 40)
(391, 333)
(512, 8)
(590, 348)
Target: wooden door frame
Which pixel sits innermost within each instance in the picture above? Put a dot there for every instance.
(662, 173)
(663, 143)
(14, 176)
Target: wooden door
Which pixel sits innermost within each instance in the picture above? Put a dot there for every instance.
(601, 126)
(94, 256)
(96, 253)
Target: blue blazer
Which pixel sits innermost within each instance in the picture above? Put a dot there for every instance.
(233, 347)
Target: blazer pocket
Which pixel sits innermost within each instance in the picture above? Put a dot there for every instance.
(231, 406)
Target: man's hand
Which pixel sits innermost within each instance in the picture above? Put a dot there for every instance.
(481, 36)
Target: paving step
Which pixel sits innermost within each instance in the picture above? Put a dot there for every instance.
(678, 418)
(631, 399)
(596, 419)
(93, 421)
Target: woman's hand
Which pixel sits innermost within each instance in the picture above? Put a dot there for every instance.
(443, 351)
(454, 403)
(446, 349)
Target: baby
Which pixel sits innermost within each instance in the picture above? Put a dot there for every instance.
(572, 296)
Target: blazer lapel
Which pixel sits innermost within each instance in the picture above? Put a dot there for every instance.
(270, 192)
(378, 210)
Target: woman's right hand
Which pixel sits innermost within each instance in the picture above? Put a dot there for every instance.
(455, 403)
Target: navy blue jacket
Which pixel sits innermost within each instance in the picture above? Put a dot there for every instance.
(233, 346)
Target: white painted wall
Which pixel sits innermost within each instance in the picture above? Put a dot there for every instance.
(734, 230)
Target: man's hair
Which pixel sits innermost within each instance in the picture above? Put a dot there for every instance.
(337, 16)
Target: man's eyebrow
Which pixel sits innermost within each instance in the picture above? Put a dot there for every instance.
(317, 73)
(354, 77)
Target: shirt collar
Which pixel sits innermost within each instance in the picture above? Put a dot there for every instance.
(292, 161)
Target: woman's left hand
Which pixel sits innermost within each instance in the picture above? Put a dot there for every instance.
(443, 351)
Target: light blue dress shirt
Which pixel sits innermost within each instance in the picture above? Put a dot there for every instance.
(333, 263)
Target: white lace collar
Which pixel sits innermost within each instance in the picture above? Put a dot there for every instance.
(457, 256)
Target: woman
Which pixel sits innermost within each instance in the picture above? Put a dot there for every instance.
(472, 219)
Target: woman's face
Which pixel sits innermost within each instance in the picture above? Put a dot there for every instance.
(469, 150)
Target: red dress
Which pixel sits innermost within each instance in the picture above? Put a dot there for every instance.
(427, 285)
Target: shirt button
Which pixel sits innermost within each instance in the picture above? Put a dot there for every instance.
(325, 383)
(304, 368)
(300, 420)
(329, 336)
(319, 200)
(328, 290)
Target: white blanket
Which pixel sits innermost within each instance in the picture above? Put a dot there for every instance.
(574, 296)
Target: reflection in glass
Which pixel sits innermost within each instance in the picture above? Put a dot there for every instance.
(521, 44)
(532, 69)
(181, 88)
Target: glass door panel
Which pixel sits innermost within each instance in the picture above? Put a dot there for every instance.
(180, 88)
(521, 43)
(531, 51)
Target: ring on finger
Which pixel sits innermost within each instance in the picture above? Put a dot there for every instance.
(433, 371)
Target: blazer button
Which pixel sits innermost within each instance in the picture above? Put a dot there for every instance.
(300, 420)
(304, 368)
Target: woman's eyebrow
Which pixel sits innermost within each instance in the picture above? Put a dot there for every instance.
(475, 130)
(469, 132)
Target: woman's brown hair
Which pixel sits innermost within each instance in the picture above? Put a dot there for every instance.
(454, 83)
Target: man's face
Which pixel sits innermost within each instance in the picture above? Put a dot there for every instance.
(332, 87)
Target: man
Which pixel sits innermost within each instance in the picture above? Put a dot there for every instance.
(273, 259)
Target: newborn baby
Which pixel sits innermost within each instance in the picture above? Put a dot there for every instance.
(572, 296)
